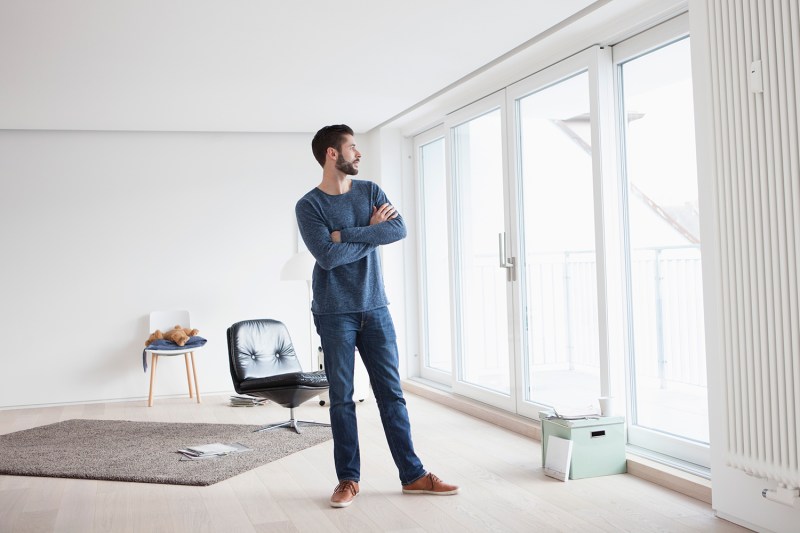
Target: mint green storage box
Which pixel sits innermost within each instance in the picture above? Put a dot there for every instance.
(598, 445)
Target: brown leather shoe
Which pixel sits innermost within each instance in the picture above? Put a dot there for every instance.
(344, 493)
(430, 484)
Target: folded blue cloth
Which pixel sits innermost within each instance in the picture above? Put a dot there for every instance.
(164, 344)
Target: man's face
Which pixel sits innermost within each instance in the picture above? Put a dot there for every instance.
(349, 157)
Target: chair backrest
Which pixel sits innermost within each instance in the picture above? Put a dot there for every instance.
(260, 348)
(166, 320)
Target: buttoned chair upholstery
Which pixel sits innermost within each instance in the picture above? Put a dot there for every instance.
(264, 364)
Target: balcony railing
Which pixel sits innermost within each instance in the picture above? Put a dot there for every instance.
(667, 312)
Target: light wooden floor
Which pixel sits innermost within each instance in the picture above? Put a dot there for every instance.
(503, 487)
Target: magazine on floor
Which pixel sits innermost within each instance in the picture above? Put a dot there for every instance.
(211, 451)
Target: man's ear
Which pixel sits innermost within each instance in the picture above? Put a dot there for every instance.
(331, 152)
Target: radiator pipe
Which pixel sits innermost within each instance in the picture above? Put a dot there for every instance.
(783, 494)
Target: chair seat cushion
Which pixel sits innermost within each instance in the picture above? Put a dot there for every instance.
(163, 344)
(165, 347)
(293, 379)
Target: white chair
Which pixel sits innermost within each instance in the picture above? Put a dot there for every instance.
(165, 321)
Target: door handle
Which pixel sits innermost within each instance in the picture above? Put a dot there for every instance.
(505, 261)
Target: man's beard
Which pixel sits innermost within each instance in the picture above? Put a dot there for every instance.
(345, 166)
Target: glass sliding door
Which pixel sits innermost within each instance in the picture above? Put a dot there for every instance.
(667, 364)
(553, 157)
(484, 330)
(560, 244)
(434, 247)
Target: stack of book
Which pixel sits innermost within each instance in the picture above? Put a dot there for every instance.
(246, 401)
(211, 451)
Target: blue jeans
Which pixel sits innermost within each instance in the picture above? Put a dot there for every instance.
(372, 332)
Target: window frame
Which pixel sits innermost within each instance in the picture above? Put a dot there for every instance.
(423, 370)
(589, 61)
(488, 104)
(643, 440)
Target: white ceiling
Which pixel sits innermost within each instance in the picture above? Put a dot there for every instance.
(246, 65)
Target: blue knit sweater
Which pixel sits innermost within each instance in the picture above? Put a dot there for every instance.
(347, 276)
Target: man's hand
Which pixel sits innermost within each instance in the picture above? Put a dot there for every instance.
(382, 214)
(336, 236)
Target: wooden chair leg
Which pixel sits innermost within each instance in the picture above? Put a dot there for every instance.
(188, 375)
(194, 370)
(153, 363)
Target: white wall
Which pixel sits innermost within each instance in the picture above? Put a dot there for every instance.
(97, 229)
(387, 145)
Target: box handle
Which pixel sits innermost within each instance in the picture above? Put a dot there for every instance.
(601, 433)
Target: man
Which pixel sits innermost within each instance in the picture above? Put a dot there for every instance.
(343, 221)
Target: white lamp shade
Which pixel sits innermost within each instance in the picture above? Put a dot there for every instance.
(299, 267)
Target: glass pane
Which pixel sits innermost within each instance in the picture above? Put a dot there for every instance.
(663, 229)
(478, 156)
(436, 269)
(562, 359)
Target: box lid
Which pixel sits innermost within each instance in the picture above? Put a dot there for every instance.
(590, 420)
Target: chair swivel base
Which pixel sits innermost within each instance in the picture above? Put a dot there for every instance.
(292, 423)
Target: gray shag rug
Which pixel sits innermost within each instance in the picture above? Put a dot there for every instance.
(145, 452)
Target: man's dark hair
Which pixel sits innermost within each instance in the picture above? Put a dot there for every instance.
(329, 137)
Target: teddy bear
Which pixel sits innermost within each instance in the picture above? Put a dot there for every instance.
(190, 332)
(155, 336)
(178, 335)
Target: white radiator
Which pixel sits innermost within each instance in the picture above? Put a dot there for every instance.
(757, 183)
